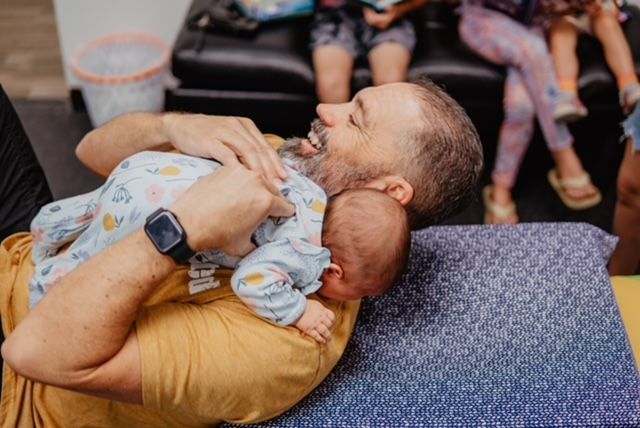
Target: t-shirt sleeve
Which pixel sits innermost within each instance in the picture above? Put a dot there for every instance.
(220, 362)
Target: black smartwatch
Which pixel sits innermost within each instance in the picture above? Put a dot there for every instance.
(168, 236)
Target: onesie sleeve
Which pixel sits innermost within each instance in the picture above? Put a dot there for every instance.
(61, 222)
(274, 279)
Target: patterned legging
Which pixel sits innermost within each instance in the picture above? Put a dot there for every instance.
(530, 88)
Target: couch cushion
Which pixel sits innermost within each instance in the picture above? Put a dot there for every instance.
(276, 59)
(491, 326)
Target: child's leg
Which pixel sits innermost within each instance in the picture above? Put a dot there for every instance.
(616, 49)
(389, 51)
(626, 220)
(502, 40)
(563, 40)
(607, 29)
(515, 135)
(334, 48)
(389, 63)
(333, 67)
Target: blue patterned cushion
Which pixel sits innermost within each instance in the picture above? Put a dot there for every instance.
(491, 326)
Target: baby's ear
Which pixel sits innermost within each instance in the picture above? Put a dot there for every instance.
(335, 271)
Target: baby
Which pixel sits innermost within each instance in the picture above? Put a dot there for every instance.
(365, 232)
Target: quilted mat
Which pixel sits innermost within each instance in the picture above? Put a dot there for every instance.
(491, 326)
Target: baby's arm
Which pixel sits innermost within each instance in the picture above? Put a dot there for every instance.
(265, 279)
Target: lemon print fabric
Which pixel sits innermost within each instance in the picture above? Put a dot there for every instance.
(110, 222)
(255, 278)
(318, 206)
(170, 170)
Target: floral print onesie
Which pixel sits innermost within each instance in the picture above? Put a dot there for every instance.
(273, 280)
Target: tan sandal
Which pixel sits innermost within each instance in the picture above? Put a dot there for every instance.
(501, 214)
(560, 185)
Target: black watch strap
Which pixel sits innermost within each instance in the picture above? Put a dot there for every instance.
(168, 236)
(181, 253)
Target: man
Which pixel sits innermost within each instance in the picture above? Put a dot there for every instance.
(131, 327)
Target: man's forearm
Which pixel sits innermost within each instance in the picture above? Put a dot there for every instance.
(84, 321)
(102, 149)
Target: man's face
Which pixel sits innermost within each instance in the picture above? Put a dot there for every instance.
(352, 143)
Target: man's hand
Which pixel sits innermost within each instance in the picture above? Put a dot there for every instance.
(230, 140)
(226, 139)
(316, 321)
(381, 20)
(222, 210)
(94, 348)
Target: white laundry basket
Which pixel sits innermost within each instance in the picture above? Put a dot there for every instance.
(122, 73)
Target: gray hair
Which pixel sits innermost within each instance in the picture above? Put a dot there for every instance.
(442, 159)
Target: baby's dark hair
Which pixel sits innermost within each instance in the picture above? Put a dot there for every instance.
(368, 234)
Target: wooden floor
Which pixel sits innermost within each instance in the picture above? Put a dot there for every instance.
(30, 60)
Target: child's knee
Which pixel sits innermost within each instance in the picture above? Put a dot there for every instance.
(561, 33)
(519, 108)
(606, 22)
(389, 74)
(536, 49)
(333, 86)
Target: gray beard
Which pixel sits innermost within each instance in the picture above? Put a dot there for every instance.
(328, 171)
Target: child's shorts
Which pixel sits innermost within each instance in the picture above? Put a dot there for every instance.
(632, 128)
(583, 22)
(345, 27)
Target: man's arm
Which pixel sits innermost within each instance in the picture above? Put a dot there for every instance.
(85, 324)
(227, 139)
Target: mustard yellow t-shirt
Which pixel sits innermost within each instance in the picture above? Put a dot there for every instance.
(206, 357)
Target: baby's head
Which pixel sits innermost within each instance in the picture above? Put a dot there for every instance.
(368, 235)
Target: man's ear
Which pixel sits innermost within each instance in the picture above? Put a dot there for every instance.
(395, 186)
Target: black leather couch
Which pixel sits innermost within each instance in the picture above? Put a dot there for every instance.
(269, 78)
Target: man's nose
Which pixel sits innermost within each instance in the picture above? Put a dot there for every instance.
(330, 114)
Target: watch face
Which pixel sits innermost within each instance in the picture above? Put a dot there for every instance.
(165, 231)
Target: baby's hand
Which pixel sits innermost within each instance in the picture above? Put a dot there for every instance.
(316, 321)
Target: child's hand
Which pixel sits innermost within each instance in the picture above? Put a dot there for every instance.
(382, 20)
(316, 321)
(594, 8)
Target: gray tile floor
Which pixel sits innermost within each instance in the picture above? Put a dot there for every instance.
(30, 60)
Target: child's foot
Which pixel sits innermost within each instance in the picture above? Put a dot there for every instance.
(629, 97)
(569, 108)
(575, 191)
(499, 208)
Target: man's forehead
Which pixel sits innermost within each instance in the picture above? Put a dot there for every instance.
(389, 99)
